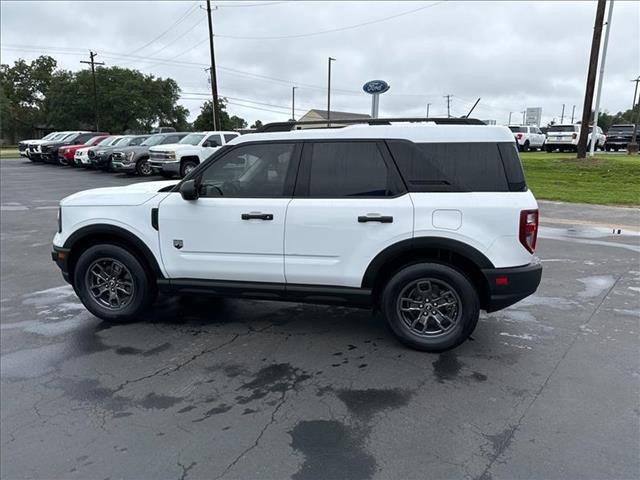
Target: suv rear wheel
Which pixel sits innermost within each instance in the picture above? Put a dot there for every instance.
(431, 307)
(112, 283)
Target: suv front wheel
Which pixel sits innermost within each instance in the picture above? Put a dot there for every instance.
(112, 283)
(431, 307)
(143, 168)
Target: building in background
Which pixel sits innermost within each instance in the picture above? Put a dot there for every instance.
(316, 115)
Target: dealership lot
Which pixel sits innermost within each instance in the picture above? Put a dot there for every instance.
(206, 388)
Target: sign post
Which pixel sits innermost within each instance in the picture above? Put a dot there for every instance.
(375, 88)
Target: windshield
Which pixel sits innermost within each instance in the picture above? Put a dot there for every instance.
(563, 128)
(91, 141)
(621, 129)
(153, 140)
(518, 129)
(51, 136)
(192, 139)
(105, 141)
(68, 136)
(122, 142)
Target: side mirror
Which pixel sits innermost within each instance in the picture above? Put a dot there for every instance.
(188, 190)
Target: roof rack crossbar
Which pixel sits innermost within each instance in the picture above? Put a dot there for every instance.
(337, 123)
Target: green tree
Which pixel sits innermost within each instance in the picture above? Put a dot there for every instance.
(605, 120)
(205, 120)
(24, 87)
(257, 124)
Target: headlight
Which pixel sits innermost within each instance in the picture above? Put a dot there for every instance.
(172, 155)
(59, 219)
(129, 156)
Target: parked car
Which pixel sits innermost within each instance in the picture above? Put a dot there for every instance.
(430, 224)
(182, 157)
(50, 150)
(83, 159)
(565, 137)
(23, 145)
(527, 137)
(618, 137)
(66, 154)
(135, 160)
(162, 130)
(103, 156)
(34, 151)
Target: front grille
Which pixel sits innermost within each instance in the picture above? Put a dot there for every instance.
(159, 156)
(22, 147)
(119, 156)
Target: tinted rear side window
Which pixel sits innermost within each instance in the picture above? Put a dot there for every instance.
(347, 169)
(456, 167)
(229, 136)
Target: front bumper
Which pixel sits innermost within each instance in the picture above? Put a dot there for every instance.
(120, 166)
(172, 166)
(61, 257)
(510, 285)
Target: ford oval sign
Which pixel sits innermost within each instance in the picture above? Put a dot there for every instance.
(375, 86)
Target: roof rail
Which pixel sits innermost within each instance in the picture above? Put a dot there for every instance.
(337, 123)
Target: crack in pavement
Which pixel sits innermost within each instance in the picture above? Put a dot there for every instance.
(512, 429)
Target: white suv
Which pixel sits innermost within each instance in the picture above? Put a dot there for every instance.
(565, 137)
(182, 157)
(527, 137)
(428, 222)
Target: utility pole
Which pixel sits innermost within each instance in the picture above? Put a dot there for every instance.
(523, 115)
(632, 148)
(329, 92)
(562, 115)
(573, 113)
(594, 136)
(428, 105)
(293, 103)
(214, 81)
(509, 123)
(448, 97)
(591, 80)
(93, 63)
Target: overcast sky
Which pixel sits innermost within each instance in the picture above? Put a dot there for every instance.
(511, 54)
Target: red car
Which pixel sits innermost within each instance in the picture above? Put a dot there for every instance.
(66, 153)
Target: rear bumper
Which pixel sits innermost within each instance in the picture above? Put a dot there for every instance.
(510, 285)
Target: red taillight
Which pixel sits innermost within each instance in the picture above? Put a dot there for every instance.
(518, 136)
(529, 229)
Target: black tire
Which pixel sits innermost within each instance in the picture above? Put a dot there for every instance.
(143, 168)
(462, 292)
(186, 167)
(526, 146)
(548, 149)
(167, 175)
(142, 287)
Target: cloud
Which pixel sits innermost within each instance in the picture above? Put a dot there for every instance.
(511, 54)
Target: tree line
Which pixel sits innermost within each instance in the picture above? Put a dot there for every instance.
(38, 97)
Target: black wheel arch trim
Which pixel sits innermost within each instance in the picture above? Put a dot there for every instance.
(416, 244)
(115, 231)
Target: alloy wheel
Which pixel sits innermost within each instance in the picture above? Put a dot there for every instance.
(429, 307)
(110, 283)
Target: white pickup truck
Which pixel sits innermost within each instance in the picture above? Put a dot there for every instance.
(182, 157)
(527, 137)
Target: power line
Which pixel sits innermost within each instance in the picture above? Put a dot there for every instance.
(333, 30)
(189, 11)
(241, 4)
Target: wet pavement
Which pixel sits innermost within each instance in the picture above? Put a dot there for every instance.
(205, 388)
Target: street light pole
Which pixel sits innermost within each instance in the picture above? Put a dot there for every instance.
(293, 103)
(509, 123)
(329, 92)
(592, 147)
(428, 105)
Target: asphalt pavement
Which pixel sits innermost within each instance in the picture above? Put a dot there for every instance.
(205, 388)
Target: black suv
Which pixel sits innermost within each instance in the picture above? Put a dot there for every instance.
(618, 137)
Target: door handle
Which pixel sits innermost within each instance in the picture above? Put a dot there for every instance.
(375, 218)
(257, 216)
